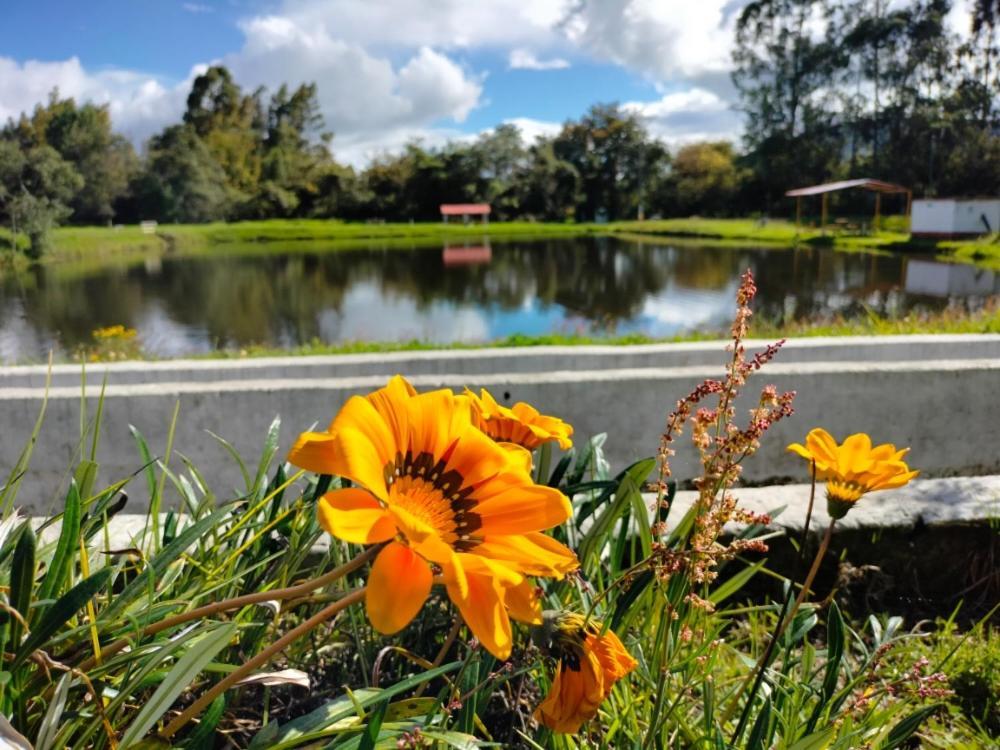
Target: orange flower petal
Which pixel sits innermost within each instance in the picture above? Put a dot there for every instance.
(315, 452)
(358, 459)
(398, 586)
(822, 447)
(521, 509)
(354, 515)
(854, 456)
(484, 613)
(533, 553)
(523, 603)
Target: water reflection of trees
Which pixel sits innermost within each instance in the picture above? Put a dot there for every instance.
(278, 299)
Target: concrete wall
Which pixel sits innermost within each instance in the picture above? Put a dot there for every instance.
(936, 394)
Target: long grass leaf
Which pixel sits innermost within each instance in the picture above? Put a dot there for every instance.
(61, 611)
(69, 536)
(158, 564)
(187, 668)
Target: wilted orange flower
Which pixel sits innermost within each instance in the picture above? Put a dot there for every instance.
(521, 423)
(590, 663)
(853, 468)
(442, 494)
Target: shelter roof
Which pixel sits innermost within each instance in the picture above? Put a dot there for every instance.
(462, 209)
(864, 183)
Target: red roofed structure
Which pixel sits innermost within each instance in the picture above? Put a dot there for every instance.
(465, 210)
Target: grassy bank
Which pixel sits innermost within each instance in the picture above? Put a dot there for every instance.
(83, 243)
(986, 320)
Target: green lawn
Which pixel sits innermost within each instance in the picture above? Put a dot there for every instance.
(81, 243)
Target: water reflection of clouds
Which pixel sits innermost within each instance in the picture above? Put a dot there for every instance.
(679, 309)
(19, 339)
(369, 314)
(162, 336)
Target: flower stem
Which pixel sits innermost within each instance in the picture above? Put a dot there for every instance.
(291, 592)
(259, 660)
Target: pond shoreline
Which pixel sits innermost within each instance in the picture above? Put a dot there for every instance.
(78, 243)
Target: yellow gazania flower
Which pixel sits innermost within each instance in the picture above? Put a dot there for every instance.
(439, 492)
(590, 663)
(853, 468)
(521, 424)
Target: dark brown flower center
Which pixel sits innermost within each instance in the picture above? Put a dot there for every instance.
(422, 487)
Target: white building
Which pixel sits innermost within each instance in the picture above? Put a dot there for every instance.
(954, 217)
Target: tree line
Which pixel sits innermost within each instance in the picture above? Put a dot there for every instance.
(829, 89)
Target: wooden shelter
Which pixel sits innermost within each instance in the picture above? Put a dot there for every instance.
(876, 186)
(465, 210)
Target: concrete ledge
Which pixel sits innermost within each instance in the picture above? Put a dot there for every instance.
(946, 410)
(923, 502)
(487, 361)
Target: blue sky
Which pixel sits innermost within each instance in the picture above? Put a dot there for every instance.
(387, 70)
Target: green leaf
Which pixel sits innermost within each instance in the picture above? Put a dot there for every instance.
(371, 732)
(734, 584)
(203, 737)
(816, 741)
(22, 580)
(560, 471)
(835, 640)
(270, 448)
(49, 727)
(69, 539)
(147, 459)
(184, 672)
(908, 726)
(65, 607)
(85, 476)
(627, 600)
(343, 710)
(161, 560)
(630, 481)
(760, 726)
(457, 740)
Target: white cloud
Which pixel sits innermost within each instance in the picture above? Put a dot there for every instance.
(662, 39)
(395, 70)
(370, 104)
(522, 59)
(140, 104)
(532, 130)
(446, 24)
(684, 116)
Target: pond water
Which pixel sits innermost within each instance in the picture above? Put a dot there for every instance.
(467, 292)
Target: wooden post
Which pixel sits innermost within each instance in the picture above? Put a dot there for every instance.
(822, 223)
(798, 213)
(878, 211)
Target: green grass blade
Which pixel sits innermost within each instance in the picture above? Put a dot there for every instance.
(907, 727)
(22, 581)
(371, 733)
(734, 584)
(187, 668)
(69, 537)
(61, 611)
(149, 465)
(161, 560)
